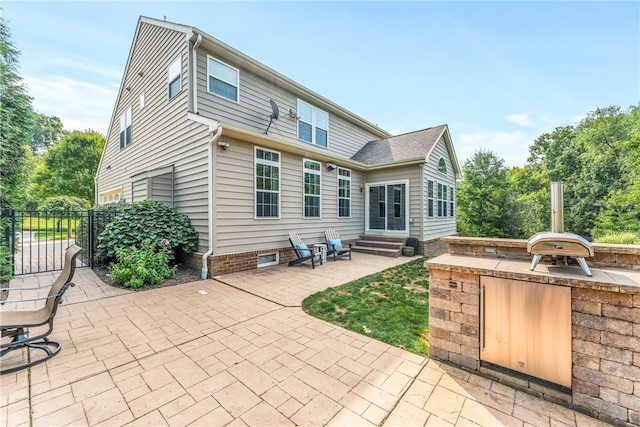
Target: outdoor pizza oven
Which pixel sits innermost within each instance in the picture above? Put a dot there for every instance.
(557, 243)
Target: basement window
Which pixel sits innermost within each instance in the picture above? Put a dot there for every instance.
(266, 260)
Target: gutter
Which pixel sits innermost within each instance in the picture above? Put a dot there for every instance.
(194, 79)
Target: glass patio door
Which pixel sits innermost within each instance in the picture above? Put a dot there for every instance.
(387, 207)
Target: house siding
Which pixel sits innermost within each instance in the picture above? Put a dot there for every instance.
(253, 110)
(236, 228)
(437, 227)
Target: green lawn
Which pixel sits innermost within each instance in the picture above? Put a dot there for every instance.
(391, 306)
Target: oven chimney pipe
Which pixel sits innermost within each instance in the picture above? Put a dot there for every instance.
(557, 207)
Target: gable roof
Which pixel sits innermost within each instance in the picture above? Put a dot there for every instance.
(406, 148)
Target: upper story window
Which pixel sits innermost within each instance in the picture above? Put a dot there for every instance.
(313, 124)
(267, 181)
(442, 166)
(224, 80)
(311, 189)
(174, 76)
(344, 193)
(125, 128)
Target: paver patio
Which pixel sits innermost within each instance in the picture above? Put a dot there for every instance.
(239, 350)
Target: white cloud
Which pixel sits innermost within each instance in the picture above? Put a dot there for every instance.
(520, 119)
(80, 105)
(512, 147)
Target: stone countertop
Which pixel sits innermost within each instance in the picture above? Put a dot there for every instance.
(604, 279)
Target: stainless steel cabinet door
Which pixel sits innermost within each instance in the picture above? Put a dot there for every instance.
(526, 327)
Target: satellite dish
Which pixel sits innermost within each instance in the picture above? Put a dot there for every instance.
(274, 108)
(275, 113)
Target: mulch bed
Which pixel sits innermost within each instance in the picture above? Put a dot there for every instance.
(184, 274)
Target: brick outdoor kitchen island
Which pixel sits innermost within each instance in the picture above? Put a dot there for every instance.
(552, 332)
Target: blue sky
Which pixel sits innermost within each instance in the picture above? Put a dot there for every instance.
(500, 74)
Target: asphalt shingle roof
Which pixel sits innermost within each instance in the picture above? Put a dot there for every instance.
(407, 146)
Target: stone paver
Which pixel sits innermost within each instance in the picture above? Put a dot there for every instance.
(244, 353)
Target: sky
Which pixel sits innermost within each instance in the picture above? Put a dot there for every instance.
(499, 74)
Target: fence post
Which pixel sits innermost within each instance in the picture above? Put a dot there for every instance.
(91, 235)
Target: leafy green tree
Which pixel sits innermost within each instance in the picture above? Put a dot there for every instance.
(46, 131)
(64, 204)
(486, 202)
(69, 167)
(16, 117)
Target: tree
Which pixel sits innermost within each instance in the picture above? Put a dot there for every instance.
(486, 203)
(69, 167)
(16, 118)
(46, 131)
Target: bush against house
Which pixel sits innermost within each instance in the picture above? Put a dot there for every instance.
(151, 220)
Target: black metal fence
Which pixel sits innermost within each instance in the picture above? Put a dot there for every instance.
(38, 239)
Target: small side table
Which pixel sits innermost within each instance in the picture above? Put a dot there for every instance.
(322, 248)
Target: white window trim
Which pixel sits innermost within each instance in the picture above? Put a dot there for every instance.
(343, 178)
(270, 263)
(313, 124)
(257, 161)
(319, 196)
(432, 200)
(445, 166)
(236, 84)
(176, 65)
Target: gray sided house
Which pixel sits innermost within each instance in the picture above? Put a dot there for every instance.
(195, 126)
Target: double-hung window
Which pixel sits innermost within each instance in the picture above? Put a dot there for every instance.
(442, 200)
(452, 202)
(311, 189)
(344, 193)
(174, 76)
(224, 80)
(267, 176)
(430, 199)
(125, 128)
(313, 124)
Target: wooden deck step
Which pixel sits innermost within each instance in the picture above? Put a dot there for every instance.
(374, 246)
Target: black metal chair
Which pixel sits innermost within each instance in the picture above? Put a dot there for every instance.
(16, 324)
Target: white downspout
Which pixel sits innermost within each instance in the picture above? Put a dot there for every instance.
(212, 144)
(194, 86)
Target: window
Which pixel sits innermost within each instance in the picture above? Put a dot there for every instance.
(382, 205)
(344, 193)
(442, 200)
(313, 124)
(125, 128)
(442, 166)
(267, 175)
(141, 100)
(265, 260)
(430, 200)
(311, 189)
(397, 201)
(452, 199)
(174, 73)
(224, 80)
(111, 196)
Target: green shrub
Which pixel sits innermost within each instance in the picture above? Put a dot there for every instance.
(103, 215)
(148, 220)
(64, 204)
(622, 238)
(139, 266)
(6, 265)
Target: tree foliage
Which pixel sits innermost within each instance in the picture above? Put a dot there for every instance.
(46, 132)
(16, 117)
(486, 206)
(598, 160)
(69, 167)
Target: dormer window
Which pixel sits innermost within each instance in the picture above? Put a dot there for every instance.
(174, 77)
(224, 80)
(313, 124)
